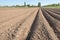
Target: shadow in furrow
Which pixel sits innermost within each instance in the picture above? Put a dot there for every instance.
(32, 29)
(38, 31)
(55, 11)
(56, 16)
(52, 23)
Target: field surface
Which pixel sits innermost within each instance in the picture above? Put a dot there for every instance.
(29, 24)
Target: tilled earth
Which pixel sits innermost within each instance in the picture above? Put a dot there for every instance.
(29, 24)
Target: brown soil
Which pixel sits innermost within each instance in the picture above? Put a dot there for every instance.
(29, 24)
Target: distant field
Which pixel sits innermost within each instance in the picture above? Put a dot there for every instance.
(52, 7)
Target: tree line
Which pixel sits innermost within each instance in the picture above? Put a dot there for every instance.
(52, 5)
(25, 5)
(28, 5)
